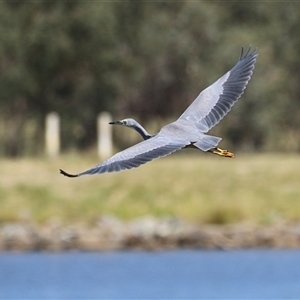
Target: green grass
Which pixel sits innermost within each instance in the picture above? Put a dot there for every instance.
(197, 187)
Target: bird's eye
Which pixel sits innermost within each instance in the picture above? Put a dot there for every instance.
(125, 122)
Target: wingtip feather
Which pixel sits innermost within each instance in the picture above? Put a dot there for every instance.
(248, 52)
(67, 174)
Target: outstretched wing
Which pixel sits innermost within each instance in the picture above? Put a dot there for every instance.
(213, 103)
(136, 155)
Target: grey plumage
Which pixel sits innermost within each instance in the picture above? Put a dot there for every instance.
(207, 110)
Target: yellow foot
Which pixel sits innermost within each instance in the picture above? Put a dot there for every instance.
(221, 152)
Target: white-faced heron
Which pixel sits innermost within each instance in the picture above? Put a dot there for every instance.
(207, 110)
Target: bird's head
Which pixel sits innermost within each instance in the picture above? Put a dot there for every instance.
(131, 123)
(126, 122)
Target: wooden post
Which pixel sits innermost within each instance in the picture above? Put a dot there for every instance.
(52, 135)
(104, 135)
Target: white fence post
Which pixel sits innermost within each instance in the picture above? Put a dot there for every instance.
(52, 135)
(104, 135)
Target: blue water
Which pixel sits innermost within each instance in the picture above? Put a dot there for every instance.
(139, 275)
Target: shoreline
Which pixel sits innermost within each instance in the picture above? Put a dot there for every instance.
(145, 233)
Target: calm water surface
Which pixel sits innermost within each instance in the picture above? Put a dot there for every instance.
(159, 275)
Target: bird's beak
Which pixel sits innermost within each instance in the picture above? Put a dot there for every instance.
(116, 123)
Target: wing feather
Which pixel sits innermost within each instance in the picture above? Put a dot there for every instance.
(136, 155)
(213, 103)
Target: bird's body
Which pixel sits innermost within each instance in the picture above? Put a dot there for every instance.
(207, 110)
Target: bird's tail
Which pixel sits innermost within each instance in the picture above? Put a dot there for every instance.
(208, 142)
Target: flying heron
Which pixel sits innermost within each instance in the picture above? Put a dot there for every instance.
(207, 110)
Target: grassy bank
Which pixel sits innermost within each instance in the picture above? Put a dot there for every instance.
(199, 187)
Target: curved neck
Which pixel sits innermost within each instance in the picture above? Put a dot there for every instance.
(142, 131)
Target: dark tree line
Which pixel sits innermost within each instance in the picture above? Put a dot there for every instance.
(148, 60)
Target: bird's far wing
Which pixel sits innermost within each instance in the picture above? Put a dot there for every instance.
(213, 103)
(136, 155)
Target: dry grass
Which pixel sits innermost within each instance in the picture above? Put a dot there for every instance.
(193, 186)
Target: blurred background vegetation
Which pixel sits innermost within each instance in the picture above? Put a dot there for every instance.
(148, 60)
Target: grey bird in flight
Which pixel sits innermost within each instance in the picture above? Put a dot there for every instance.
(207, 110)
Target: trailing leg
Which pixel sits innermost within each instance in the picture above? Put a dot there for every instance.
(209, 143)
